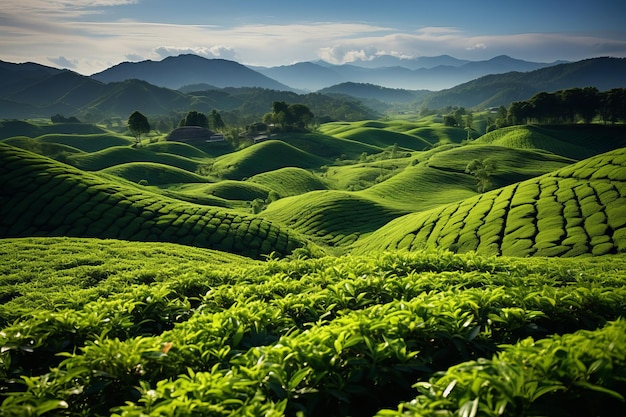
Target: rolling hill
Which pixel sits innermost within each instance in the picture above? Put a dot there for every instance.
(42, 197)
(579, 209)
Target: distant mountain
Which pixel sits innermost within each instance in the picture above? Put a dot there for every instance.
(375, 92)
(428, 73)
(502, 89)
(65, 88)
(175, 72)
(412, 63)
(14, 77)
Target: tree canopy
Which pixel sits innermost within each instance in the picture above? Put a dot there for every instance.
(289, 116)
(194, 118)
(138, 125)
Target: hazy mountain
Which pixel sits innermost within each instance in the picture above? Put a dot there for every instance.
(309, 76)
(175, 72)
(412, 63)
(425, 73)
(502, 89)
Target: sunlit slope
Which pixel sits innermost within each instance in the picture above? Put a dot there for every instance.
(421, 187)
(50, 149)
(177, 148)
(41, 197)
(87, 143)
(289, 181)
(333, 217)
(576, 210)
(419, 135)
(263, 157)
(117, 155)
(153, 174)
(326, 146)
(511, 165)
(384, 138)
(578, 141)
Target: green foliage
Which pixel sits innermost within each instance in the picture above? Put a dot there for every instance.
(138, 125)
(182, 331)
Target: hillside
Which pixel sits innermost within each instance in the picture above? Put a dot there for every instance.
(42, 197)
(575, 210)
(322, 273)
(502, 89)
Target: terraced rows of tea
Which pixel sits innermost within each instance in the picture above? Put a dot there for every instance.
(41, 197)
(575, 210)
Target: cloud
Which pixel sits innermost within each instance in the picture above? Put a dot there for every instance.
(64, 62)
(340, 54)
(217, 51)
(476, 46)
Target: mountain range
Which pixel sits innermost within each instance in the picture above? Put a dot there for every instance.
(189, 82)
(427, 73)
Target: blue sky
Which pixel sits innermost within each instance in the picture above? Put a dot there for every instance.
(91, 35)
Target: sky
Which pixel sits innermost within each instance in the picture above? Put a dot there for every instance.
(88, 36)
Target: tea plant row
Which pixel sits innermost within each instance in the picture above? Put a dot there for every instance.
(346, 336)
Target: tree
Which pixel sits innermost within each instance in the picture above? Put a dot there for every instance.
(482, 170)
(301, 115)
(215, 120)
(194, 118)
(138, 125)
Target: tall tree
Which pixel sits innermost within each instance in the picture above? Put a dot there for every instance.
(215, 120)
(194, 118)
(138, 125)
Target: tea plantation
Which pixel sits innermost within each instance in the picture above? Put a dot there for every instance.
(322, 274)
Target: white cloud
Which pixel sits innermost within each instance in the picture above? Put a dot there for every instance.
(476, 46)
(217, 51)
(64, 62)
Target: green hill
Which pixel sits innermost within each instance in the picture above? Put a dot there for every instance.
(50, 149)
(421, 187)
(335, 218)
(289, 181)
(41, 197)
(10, 128)
(263, 157)
(326, 146)
(117, 155)
(153, 173)
(576, 210)
(511, 165)
(87, 142)
(577, 141)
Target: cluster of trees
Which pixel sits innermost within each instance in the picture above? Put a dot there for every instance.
(57, 118)
(194, 118)
(289, 116)
(570, 106)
